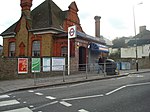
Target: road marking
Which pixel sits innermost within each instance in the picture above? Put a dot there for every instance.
(111, 92)
(136, 75)
(40, 94)
(31, 106)
(10, 102)
(20, 110)
(30, 91)
(4, 96)
(24, 102)
(42, 106)
(50, 97)
(139, 84)
(84, 97)
(79, 84)
(82, 110)
(65, 103)
(121, 77)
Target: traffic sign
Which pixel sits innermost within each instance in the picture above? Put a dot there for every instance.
(72, 32)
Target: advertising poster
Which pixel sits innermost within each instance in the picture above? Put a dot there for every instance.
(46, 64)
(58, 64)
(22, 65)
(36, 64)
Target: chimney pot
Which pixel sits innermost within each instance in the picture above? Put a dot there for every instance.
(26, 4)
(142, 28)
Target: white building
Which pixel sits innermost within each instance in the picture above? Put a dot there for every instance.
(130, 52)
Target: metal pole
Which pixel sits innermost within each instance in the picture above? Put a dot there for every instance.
(86, 70)
(64, 73)
(34, 78)
(135, 40)
(104, 68)
(68, 56)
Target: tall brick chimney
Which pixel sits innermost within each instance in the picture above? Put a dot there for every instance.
(97, 26)
(26, 7)
(26, 10)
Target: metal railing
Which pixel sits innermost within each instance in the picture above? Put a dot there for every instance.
(77, 72)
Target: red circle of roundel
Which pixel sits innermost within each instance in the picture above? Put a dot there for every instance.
(71, 32)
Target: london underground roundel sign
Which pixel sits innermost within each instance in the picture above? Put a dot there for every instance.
(72, 32)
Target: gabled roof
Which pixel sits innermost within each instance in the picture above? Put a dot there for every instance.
(73, 5)
(140, 39)
(46, 15)
(143, 35)
(138, 42)
(10, 30)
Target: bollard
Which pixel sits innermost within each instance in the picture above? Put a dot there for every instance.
(86, 70)
(34, 79)
(64, 70)
(104, 69)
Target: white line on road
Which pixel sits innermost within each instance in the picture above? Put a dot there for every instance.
(31, 106)
(30, 91)
(74, 85)
(139, 84)
(40, 94)
(84, 97)
(20, 110)
(42, 106)
(82, 110)
(50, 97)
(10, 102)
(4, 96)
(121, 77)
(65, 103)
(136, 75)
(111, 92)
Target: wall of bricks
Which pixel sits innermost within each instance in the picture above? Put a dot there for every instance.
(9, 70)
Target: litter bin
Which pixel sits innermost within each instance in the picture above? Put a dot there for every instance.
(111, 67)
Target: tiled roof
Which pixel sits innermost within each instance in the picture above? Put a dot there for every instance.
(138, 42)
(47, 14)
(143, 35)
(140, 39)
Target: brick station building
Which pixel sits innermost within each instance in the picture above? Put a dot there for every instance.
(43, 32)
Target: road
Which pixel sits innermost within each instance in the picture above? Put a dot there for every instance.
(125, 94)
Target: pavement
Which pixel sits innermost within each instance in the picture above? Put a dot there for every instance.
(25, 84)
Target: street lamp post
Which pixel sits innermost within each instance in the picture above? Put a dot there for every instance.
(136, 52)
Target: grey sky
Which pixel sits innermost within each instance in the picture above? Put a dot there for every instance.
(116, 21)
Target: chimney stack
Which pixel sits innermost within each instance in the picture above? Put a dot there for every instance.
(142, 28)
(26, 10)
(26, 5)
(97, 26)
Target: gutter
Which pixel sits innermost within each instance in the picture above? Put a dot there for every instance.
(7, 35)
(46, 30)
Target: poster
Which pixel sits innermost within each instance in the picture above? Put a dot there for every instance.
(36, 64)
(58, 64)
(46, 64)
(22, 65)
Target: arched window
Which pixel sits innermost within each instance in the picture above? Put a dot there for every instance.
(12, 49)
(36, 48)
(64, 51)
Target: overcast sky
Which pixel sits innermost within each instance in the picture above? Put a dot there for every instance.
(116, 15)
